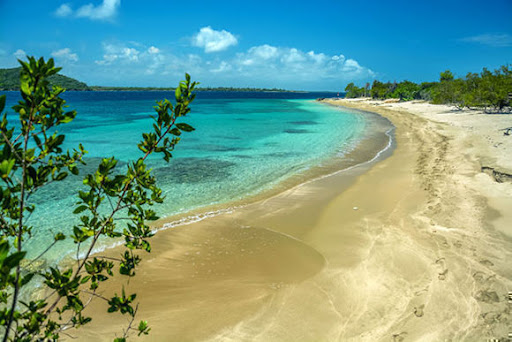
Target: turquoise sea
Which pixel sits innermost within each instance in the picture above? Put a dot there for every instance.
(244, 144)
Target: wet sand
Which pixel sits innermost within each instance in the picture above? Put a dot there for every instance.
(413, 248)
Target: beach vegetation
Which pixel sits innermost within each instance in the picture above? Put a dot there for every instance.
(446, 76)
(406, 91)
(490, 91)
(353, 91)
(115, 204)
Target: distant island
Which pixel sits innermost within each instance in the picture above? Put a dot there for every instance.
(103, 88)
(10, 80)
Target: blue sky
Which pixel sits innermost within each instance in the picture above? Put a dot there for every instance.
(303, 45)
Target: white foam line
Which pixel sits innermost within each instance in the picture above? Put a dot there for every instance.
(196, 218)
(181, 222)
(100, 249)
(388, 146)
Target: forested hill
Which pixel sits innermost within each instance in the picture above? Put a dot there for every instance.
(10, 80)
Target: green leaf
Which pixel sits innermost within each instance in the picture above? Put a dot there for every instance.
(143, 328)
(73, 169)
(59, 236)
(25, 87)
(85, 279)
(14, 259)
(2, 103)
(185, 127)
(6, 167)
(61, 176)
(175, 131)
(79, 209)
(26, 279)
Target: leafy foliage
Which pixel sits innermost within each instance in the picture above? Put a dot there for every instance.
(355, 91)
(115, 204)
(491, 91)
(488, 90)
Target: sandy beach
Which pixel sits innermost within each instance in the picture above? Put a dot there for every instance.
(413, 247)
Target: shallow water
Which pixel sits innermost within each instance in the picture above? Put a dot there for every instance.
(243, 145)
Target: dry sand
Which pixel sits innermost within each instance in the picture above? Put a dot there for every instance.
(417, 248)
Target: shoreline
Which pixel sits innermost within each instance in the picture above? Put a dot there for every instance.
(414, 247)
(370, 148)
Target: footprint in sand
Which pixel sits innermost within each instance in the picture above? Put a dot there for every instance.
(482, 278)
(399, 337)
(441, 263)
(487, 263)
(418, 311)
(489, 297)
(442, 275)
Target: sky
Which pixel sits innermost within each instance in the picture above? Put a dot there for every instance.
(297, 45)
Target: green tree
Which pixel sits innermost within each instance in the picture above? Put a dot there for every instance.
(378, 90)
(116, 204)
(446, 76)
(382, 90)
(354, 91)
(447, 91)
(425, 90)
(406, 91)
(495, 88)
(487, 90)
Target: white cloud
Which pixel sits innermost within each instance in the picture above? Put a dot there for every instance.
(351, 65)
(222, 67)
(153, 50)
(338, 58)
(20, 54)
(259, 66)
(494, 40)
(214, 41)
(64, 11)
(264, 52)
(288, 60)
(118, 52)
(131, 54)
(66, 55)
(104, 11)
(140, 59)
(317, 57)
(294, 56)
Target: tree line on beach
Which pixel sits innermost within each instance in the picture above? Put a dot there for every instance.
(491, 91)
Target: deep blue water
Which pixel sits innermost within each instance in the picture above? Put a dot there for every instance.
(244, 143)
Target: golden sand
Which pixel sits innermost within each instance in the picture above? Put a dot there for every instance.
(415, 248)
